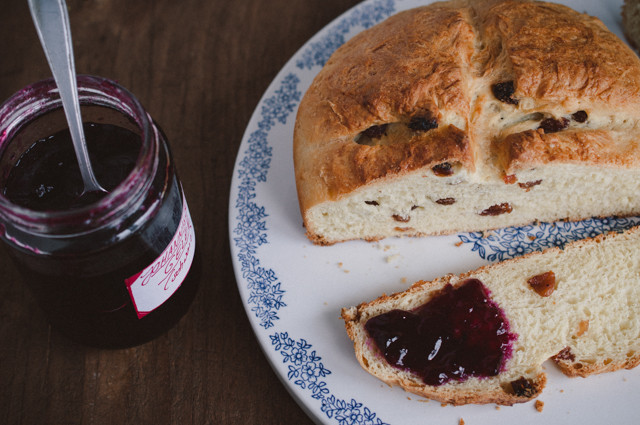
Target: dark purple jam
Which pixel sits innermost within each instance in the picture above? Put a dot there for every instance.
(458, 334)
(84, 292)
(46, 177)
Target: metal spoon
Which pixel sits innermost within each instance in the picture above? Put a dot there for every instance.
(52, 23)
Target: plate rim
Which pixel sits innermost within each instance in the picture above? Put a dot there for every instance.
(302, 398)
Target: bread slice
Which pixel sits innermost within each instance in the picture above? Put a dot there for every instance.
(631, 22)
(469, 115)
(589, 324)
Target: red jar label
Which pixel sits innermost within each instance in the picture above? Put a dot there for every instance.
(156, 283)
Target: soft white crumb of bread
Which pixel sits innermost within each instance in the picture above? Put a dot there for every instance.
(567, 190)
(597, 280)
(562, 193)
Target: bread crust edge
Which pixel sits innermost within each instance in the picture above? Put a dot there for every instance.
(352, 317)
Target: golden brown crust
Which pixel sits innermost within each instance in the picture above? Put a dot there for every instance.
(392, 72)
(577, 368)
(533, 148)
(556, 53)
(355, 165)
(385, 75)
(441, 61)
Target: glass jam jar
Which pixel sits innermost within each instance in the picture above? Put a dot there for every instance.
(109, 271)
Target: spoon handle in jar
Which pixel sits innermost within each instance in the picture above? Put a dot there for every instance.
(51, 20)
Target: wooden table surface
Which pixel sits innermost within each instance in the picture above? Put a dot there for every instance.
(199, 68)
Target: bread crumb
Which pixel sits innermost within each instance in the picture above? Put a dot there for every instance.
(461, 421)
(497, 407)
(539, 405)
(385, 248)
(403, 280)
(408, 398)
(340, 265)
(393, 257)
(561, 391)
(424, 400)
(459, 243)
(443, 404)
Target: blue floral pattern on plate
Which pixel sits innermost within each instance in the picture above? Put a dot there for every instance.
(501, 244)
(266, 296)
(305, 368)
(364, 17)
(266, 293)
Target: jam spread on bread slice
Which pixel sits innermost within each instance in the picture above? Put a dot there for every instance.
(458, 334)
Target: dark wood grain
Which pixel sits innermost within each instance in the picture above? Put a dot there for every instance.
(200, 68)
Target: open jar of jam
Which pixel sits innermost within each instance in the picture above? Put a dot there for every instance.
(109, 270)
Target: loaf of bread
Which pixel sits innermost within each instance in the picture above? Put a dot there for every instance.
(579, 306)
(469, 115)
(631, 21)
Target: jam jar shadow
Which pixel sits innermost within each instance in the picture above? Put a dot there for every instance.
(109, 271)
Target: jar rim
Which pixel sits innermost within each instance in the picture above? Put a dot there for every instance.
(42, 97)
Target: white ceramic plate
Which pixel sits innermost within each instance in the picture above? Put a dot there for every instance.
(293, 291)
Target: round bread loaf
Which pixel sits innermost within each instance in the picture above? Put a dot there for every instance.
(469, 115)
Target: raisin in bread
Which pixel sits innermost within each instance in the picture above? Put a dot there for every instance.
(469, 115)
(631, 21)
(587, 318)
